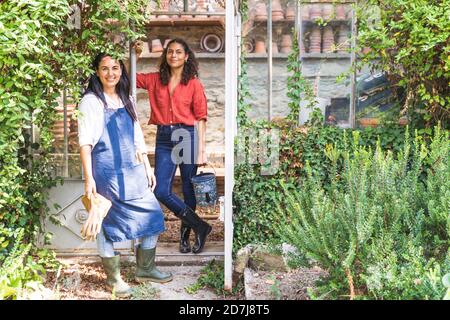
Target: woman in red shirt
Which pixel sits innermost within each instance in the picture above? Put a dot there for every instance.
(179, 109)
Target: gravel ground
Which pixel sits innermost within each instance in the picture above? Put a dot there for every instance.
(87, 282)
(291, 285)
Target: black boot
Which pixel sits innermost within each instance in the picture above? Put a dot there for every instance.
(201, 228)
(185, 231)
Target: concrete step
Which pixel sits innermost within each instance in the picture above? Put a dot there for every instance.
(166, 254)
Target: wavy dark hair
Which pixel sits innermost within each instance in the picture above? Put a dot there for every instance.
(190, 69)
(122, 88)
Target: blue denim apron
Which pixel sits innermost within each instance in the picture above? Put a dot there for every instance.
(135, 212)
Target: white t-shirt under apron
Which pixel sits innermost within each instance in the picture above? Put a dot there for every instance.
(91, 121)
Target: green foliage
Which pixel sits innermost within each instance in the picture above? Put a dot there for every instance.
(409, 41)
(244, 94)
(20, 270)
(274, 289)
(44, 52)
(212, 276)
(378, 228)
(298, 87)
(145, 291)
(255, 194)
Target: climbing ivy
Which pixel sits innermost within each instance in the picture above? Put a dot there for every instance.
(47, 48)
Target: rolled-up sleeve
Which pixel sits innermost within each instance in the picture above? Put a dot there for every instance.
(90, 121)
(200, 102)
(139, 141)
(145, 80)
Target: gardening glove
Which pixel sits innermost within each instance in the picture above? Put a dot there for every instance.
(92, 225)
(97, 206)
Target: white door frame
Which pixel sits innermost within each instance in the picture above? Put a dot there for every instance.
(232, 44)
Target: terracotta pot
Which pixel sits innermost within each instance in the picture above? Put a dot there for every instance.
(157, 46)
(274, 47)
(70, 108)
(261, 12)
(165, 5)
(315, 40)
(286, 43)
(340, 12)
(200, 5)
(277, 16)
(58, 131)
(248, 46)
(260, 46)
(305, 12)
(211, 42)
(368, 122)
(247, 26)
(290, 13)
(327, 11)
(302, 48)
(286, 40)
(328, 40)
(277, 11)
(315, 13)
(276, 6)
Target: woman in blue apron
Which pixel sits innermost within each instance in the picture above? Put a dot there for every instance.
(115, 165)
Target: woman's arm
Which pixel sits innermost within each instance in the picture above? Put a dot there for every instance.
(86, 162)
(201, 127)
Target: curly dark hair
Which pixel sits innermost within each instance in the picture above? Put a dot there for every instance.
(190, 69)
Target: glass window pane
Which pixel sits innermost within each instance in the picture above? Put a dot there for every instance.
(326, 58)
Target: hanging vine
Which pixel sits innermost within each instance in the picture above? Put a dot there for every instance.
(298, 87)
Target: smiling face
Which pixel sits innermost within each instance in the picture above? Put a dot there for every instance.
(176, 56)
(109, 72)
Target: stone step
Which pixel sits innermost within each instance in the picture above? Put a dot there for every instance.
(166, 254)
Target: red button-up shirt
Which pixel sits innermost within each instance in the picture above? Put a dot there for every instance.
(187, 104)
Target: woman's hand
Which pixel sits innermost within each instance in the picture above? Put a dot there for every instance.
(90, 187)
(151, 180)
(138, 46)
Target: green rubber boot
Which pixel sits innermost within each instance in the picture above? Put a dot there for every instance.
(146, 268)
(114, 280)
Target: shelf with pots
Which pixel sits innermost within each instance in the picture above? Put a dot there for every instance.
(200, 13)
(264, 55)
(184, 20)
(280, 15)
(198, 55)
(211, 45)
(332, 55)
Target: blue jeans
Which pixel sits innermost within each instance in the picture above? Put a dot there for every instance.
(176, 145)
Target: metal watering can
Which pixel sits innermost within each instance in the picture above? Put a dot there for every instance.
(205, 188)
